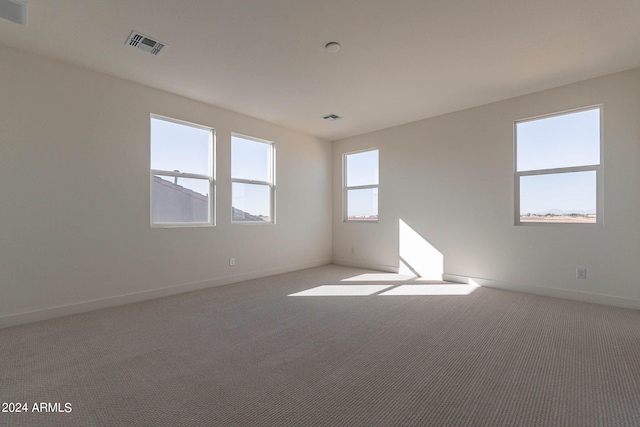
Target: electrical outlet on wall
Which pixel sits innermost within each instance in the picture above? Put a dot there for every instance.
(581, 273)
(232, 261)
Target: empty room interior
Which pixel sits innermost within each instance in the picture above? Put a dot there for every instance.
(338, 213)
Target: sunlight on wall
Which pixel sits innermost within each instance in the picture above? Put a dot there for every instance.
(418, 256)
(421, 267)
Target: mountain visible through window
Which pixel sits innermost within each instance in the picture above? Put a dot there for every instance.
(558, 168)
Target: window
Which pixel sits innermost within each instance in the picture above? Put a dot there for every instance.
(361, 186)
(558, 176)
(182, 177)
(252, 180)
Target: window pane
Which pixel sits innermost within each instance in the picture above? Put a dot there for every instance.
(557, 142)
(180, 200)
(362, 168)
(180, 147)
(250, 159)
(251, 202)
(362, 204)
(561, 197)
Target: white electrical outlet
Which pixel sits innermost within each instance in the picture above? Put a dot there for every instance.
(581, 273)
(232, 261)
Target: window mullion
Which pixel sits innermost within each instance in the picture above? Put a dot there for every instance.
(251, 181)
(361, 187)
(559, 170)
(181, 174)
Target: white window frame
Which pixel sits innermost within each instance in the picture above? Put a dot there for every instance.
(597, 168)
(271, 183)
(177, 174)
(345, 188)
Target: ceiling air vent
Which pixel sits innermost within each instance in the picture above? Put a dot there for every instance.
(147, 44)
(14, 11)
(332, 117)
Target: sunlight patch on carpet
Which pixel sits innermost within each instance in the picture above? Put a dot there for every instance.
(341, 290)
(448, 289)
(380, 277)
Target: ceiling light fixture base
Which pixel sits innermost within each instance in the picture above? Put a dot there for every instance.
(332, 47)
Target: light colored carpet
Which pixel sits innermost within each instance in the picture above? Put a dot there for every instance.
(250, 355)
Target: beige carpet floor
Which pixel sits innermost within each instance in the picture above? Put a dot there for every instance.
(250, 355)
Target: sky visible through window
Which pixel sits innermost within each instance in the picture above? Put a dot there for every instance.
(555, 142)
(563, 141)
(362, 169)
(251, 160)
(187, 149)
(573, 192)
(560, 141)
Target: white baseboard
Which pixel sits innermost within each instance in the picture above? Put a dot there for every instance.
(66, 310)
(550, 292)
(367, 265)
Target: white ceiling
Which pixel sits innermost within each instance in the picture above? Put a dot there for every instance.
(401, 60)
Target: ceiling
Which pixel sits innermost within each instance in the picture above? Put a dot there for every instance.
(401, 60)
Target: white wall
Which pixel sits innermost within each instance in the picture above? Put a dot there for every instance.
(74, 186)
(450, 178)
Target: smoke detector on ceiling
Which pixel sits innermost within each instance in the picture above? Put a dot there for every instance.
(332, 117)
(332, 47)
(14, 11)
(146, 44)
